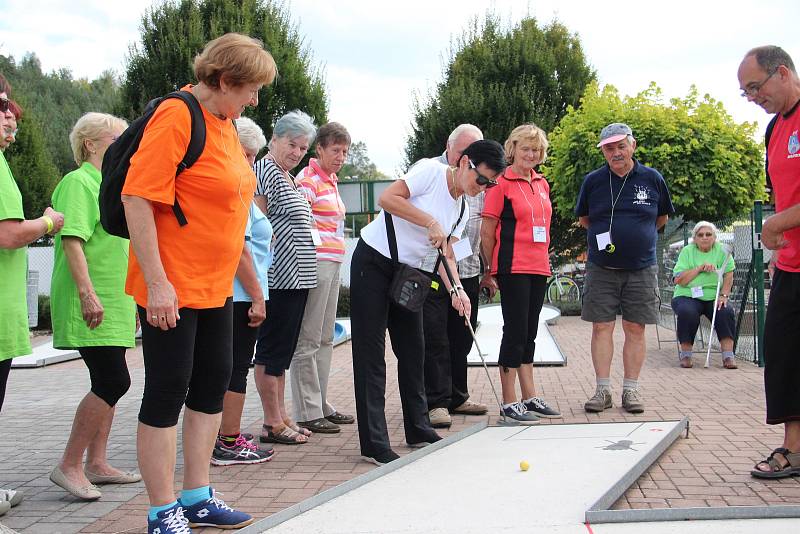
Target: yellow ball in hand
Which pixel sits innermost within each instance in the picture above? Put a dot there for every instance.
(524, 465)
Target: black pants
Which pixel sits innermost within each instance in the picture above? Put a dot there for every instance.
(189, 364)
(108, 372)
(688, 311)
(5, 368)
(277, 336)
(521, 299)
(781, 358)
(447, 343)
(244, 339)
(371, 314)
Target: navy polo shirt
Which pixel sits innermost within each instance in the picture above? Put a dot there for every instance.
(643, 199)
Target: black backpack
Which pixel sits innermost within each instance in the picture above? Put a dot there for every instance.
(117, 160)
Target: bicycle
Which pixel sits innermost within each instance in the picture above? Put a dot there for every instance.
(562, 288)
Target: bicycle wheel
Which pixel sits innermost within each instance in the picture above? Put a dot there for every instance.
(563, 289)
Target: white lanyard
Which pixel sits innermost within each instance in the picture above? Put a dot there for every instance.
(541, 203)
(619, 194)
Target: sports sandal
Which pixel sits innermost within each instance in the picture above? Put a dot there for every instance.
(297, 428)
(777, 469)
(282, 434)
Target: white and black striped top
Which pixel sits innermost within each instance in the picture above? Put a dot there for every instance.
(294, 263)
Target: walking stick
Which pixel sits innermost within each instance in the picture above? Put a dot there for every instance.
(720, 274)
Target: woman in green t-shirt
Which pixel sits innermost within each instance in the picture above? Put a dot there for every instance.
(90, 310)
(15, 234)
(695, 291)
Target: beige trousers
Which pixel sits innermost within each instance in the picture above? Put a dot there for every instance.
(311, 363)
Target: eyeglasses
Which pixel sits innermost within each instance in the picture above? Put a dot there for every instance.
(752, 89)
(5, 104)
(704, 234)
(481, 179)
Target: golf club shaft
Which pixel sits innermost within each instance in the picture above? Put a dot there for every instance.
(450, 278)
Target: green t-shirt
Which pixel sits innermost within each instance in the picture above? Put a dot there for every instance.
(691, 257)
(14, 335)
(107, 259)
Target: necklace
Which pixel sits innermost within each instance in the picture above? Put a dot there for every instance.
(286, 174)
(453, 181)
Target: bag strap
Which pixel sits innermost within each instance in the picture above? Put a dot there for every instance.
(767, 135)
(391, 237)
(197, 142)
(458, 221)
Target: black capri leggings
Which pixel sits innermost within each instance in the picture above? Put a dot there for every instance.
(521, 298)
(5, 368)
(277, 336)
(108, 371)
(189, 364)
(244, 339)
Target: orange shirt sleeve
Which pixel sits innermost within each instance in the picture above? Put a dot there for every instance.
(166, 137)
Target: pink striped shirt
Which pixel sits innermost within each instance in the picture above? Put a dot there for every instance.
(327, 209)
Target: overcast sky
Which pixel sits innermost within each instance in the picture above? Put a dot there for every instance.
(378, 55)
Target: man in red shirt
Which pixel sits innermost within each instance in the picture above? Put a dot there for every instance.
(767, 77)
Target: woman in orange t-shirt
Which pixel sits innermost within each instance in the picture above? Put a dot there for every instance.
(182, 276)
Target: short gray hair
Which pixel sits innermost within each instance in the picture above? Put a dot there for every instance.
(250, 135)
(705, 224)
(295, 124)
(770, 57)
(464, 128)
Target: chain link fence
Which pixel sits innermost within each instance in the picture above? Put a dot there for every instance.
(738, 235)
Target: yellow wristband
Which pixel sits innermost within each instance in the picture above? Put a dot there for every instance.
(49, 223)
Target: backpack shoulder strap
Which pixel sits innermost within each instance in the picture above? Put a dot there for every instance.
(767, 135)
(197, 142)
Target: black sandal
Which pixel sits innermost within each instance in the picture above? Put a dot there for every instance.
(778, 470)
(284, 435)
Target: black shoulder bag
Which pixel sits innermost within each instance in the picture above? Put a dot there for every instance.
(409, 287)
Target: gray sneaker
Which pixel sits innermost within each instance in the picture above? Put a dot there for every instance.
(540, 408)
(520, 414)
(599, 402)
(632, 401)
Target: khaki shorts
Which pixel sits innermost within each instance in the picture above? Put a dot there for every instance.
(611, 292)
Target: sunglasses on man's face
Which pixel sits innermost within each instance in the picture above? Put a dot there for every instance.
(481, 179)
(5, 104)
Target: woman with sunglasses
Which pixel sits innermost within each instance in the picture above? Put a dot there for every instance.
(90, 310)
(515, 236)
(696, 288)
(425, 206)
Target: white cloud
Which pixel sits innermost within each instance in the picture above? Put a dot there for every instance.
(377, 55)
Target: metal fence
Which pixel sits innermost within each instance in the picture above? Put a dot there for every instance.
(750, 281)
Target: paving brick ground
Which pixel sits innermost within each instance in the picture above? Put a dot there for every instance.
(710, 468)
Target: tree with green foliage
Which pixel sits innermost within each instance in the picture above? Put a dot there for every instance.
(499, 78)
(57, 100)
(174, 32)
(33, 169)
(713, 166)
(359, 166)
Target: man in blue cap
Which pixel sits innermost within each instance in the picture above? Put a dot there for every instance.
(622, 205)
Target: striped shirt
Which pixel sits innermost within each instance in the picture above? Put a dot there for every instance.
(327, 208)
(294, 262)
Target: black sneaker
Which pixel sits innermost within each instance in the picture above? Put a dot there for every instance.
(540, 408)
(381, 458)
(431, 437)
(240, 452)
(520, 414)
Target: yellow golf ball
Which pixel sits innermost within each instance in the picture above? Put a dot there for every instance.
(524, 465)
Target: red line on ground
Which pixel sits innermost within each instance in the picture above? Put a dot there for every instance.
(589, 527)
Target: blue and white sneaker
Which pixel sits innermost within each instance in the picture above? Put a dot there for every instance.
(170, 521)
(213, 512)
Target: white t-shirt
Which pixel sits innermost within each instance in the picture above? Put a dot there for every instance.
(427, 182)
